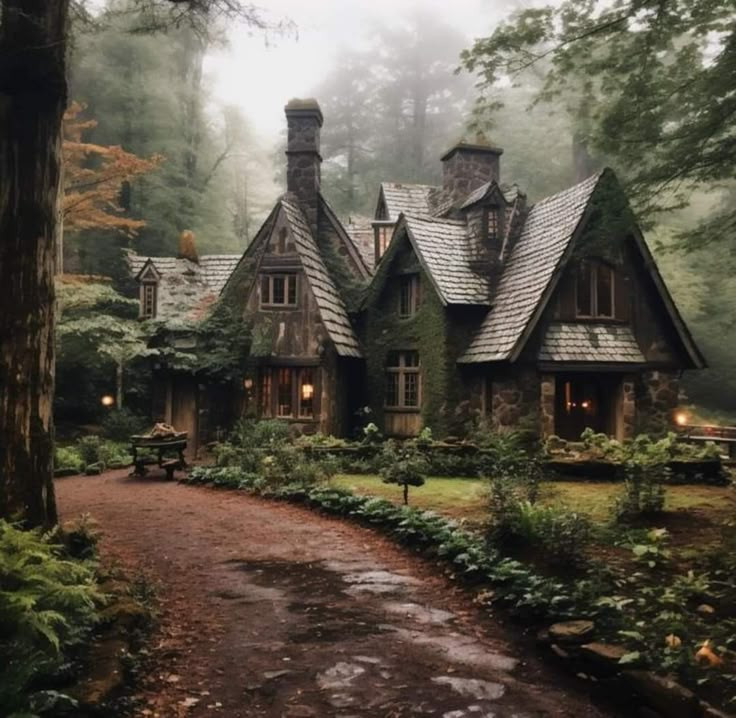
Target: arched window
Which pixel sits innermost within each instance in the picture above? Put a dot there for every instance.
(595, 289)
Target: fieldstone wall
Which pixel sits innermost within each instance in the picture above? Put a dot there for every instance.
(515, 401)
(627, 426)
(303, 170)
(547, 385)
(657, 397)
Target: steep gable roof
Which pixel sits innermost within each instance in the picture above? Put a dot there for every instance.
(360, 230)
(350, 247)
(401, 198)
(443, 249)
(528, 273)
(331, 306)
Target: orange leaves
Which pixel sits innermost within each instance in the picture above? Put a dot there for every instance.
(95, 178)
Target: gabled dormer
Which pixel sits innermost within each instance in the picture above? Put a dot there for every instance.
(148, 282)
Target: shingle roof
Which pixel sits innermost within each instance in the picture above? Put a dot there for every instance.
(609, 343)
(186, 289)
(331, 306)
(443, 248)
(549, 226)
(406, 199)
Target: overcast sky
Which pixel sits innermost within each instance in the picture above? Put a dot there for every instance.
(261, 75)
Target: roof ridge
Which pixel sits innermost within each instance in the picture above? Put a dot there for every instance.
(591, 179)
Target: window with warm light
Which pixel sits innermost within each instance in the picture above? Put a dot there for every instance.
(409, 295)
(403, 387)
(288, 393)
(594, 290)
(278, 290)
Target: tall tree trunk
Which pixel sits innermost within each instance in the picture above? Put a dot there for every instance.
(119, 385)
(33, 94)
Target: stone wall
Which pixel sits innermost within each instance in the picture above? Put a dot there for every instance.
(626, 427)
(466, 167)
(657, 397)
(547, 404)
(515, 401)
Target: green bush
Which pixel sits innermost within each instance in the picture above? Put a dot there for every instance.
(643, 494)
(121, 424)
(98, 453)
(47, 605)
(67, 457)
(89, 449)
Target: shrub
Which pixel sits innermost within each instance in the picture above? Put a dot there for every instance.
(89, 449)
(97, 453)
(47, 605)
(67, 457)
(404, 466)
(121, 424)
(644, 492)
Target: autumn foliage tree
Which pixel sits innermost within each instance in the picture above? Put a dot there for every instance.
(96, 177)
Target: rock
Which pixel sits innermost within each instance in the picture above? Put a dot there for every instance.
(559, 651)
(603, 655)
(705, 609)
(472, 687)
(341, 675)
(572, 631)
(125, 613)
(664, 695)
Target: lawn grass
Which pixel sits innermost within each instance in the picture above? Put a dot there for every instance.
(465, 498)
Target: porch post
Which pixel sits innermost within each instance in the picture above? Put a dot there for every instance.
(627, 427)
(547, 404)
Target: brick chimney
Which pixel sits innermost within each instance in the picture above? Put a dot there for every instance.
(304, 120)
(468, 165)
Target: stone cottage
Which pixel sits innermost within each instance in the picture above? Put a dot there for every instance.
(465, 301)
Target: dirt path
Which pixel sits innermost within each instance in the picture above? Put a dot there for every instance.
(272, 610)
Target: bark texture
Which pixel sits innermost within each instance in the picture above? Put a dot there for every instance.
(33, 94)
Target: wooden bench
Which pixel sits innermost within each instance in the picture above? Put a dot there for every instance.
(700, 434)
(170, 466)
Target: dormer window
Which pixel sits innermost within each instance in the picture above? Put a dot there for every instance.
(595, 290)
(409, 295)
(278, 290)
(149, 292)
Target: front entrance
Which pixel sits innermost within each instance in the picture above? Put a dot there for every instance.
(585, 401)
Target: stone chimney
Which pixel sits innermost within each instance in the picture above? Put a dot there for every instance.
(467, 165)
(187, 247)
(304, 120)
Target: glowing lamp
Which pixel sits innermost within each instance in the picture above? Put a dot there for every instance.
(680, 418)
(585, 404)
(107, 400)
(248, 384)
(307, 391)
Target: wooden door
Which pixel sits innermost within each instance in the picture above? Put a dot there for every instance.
(184, 411)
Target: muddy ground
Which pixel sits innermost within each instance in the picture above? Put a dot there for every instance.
(272, 610)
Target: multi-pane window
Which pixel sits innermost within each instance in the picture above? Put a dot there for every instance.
(148, 300)
(492, 224)
(403, 387)
(288, 393)
(409, 295)
(278, 290)
(594, 290)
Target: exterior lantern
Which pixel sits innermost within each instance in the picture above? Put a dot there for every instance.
(107, 400)
(307, 391)
(681, 418)
(248, 384)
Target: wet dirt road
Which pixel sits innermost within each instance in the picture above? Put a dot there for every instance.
(273, 610)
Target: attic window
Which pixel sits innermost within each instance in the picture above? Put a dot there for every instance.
(149, 292)
(493, 225)
(594, 290)
(402, 380)
(409, 295)
(278, 290)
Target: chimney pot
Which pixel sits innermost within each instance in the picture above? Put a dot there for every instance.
(187, 247)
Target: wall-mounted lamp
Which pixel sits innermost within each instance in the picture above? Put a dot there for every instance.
(248, 384)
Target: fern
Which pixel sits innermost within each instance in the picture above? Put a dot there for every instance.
(47, 605)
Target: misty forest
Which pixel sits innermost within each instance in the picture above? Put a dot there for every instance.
(369, 360)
